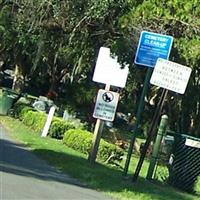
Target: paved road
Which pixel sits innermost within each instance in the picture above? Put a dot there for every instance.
(24, 176)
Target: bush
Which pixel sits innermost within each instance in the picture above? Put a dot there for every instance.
(78, 139)
(81, 141)
(19, 109)
(59, 127)
(36, 120)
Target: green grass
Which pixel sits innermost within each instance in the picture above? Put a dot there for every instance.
(107, 179)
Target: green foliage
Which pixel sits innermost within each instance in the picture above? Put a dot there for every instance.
(19, 109)
(7, 32)
(189, 50)
(180, 19)
(77, 139)
(59, 127)
(29, 116)
(36, 120)
(81, 140)
(56, 43)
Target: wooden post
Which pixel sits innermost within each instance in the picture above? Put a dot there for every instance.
(97, 137)
(48, 121)
(96, 140)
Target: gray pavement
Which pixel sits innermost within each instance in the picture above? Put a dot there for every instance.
(24, 176)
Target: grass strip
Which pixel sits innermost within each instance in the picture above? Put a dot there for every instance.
(105, 178)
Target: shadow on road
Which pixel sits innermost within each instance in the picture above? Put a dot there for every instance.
(14, 158)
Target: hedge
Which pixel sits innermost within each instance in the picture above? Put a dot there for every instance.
(19, 109)
(36, 121)
(81, 140)
(59, 127)
(78, 139)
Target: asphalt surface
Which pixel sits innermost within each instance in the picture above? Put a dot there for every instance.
(24, 176)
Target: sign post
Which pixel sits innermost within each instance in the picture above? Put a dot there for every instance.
(107, 71)
(105, 108)
(151, 132)
(138, 119)
(151, 47)
(96, 140)
(97, 136)
(170, 76)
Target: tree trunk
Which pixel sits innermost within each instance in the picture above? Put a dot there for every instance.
(18, 81)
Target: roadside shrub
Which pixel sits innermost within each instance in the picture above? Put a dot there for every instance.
(19, 109)
(35, 120)
(59, 127)
(29, 116)
(81, 141)
(77, 123)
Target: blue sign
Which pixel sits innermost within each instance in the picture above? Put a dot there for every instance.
(151, 47)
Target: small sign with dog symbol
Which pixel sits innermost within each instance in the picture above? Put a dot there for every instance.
(108, 96)
(106, 105)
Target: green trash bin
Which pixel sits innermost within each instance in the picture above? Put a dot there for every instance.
(6, 100)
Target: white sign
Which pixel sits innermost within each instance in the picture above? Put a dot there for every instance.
(171, 76)
(108, 70)
(106, 105)
(192, 143)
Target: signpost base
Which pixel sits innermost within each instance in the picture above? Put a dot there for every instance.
(96, 140)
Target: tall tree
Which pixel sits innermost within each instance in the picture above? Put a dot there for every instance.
(179, 18)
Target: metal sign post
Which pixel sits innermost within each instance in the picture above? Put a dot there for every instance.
(151, 47)
(138, 119)
(170, 76)
(151, 133)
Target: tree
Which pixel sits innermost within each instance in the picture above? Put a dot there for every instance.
(181, 20)
(17, 44)
(69, 34)
(54, 44)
